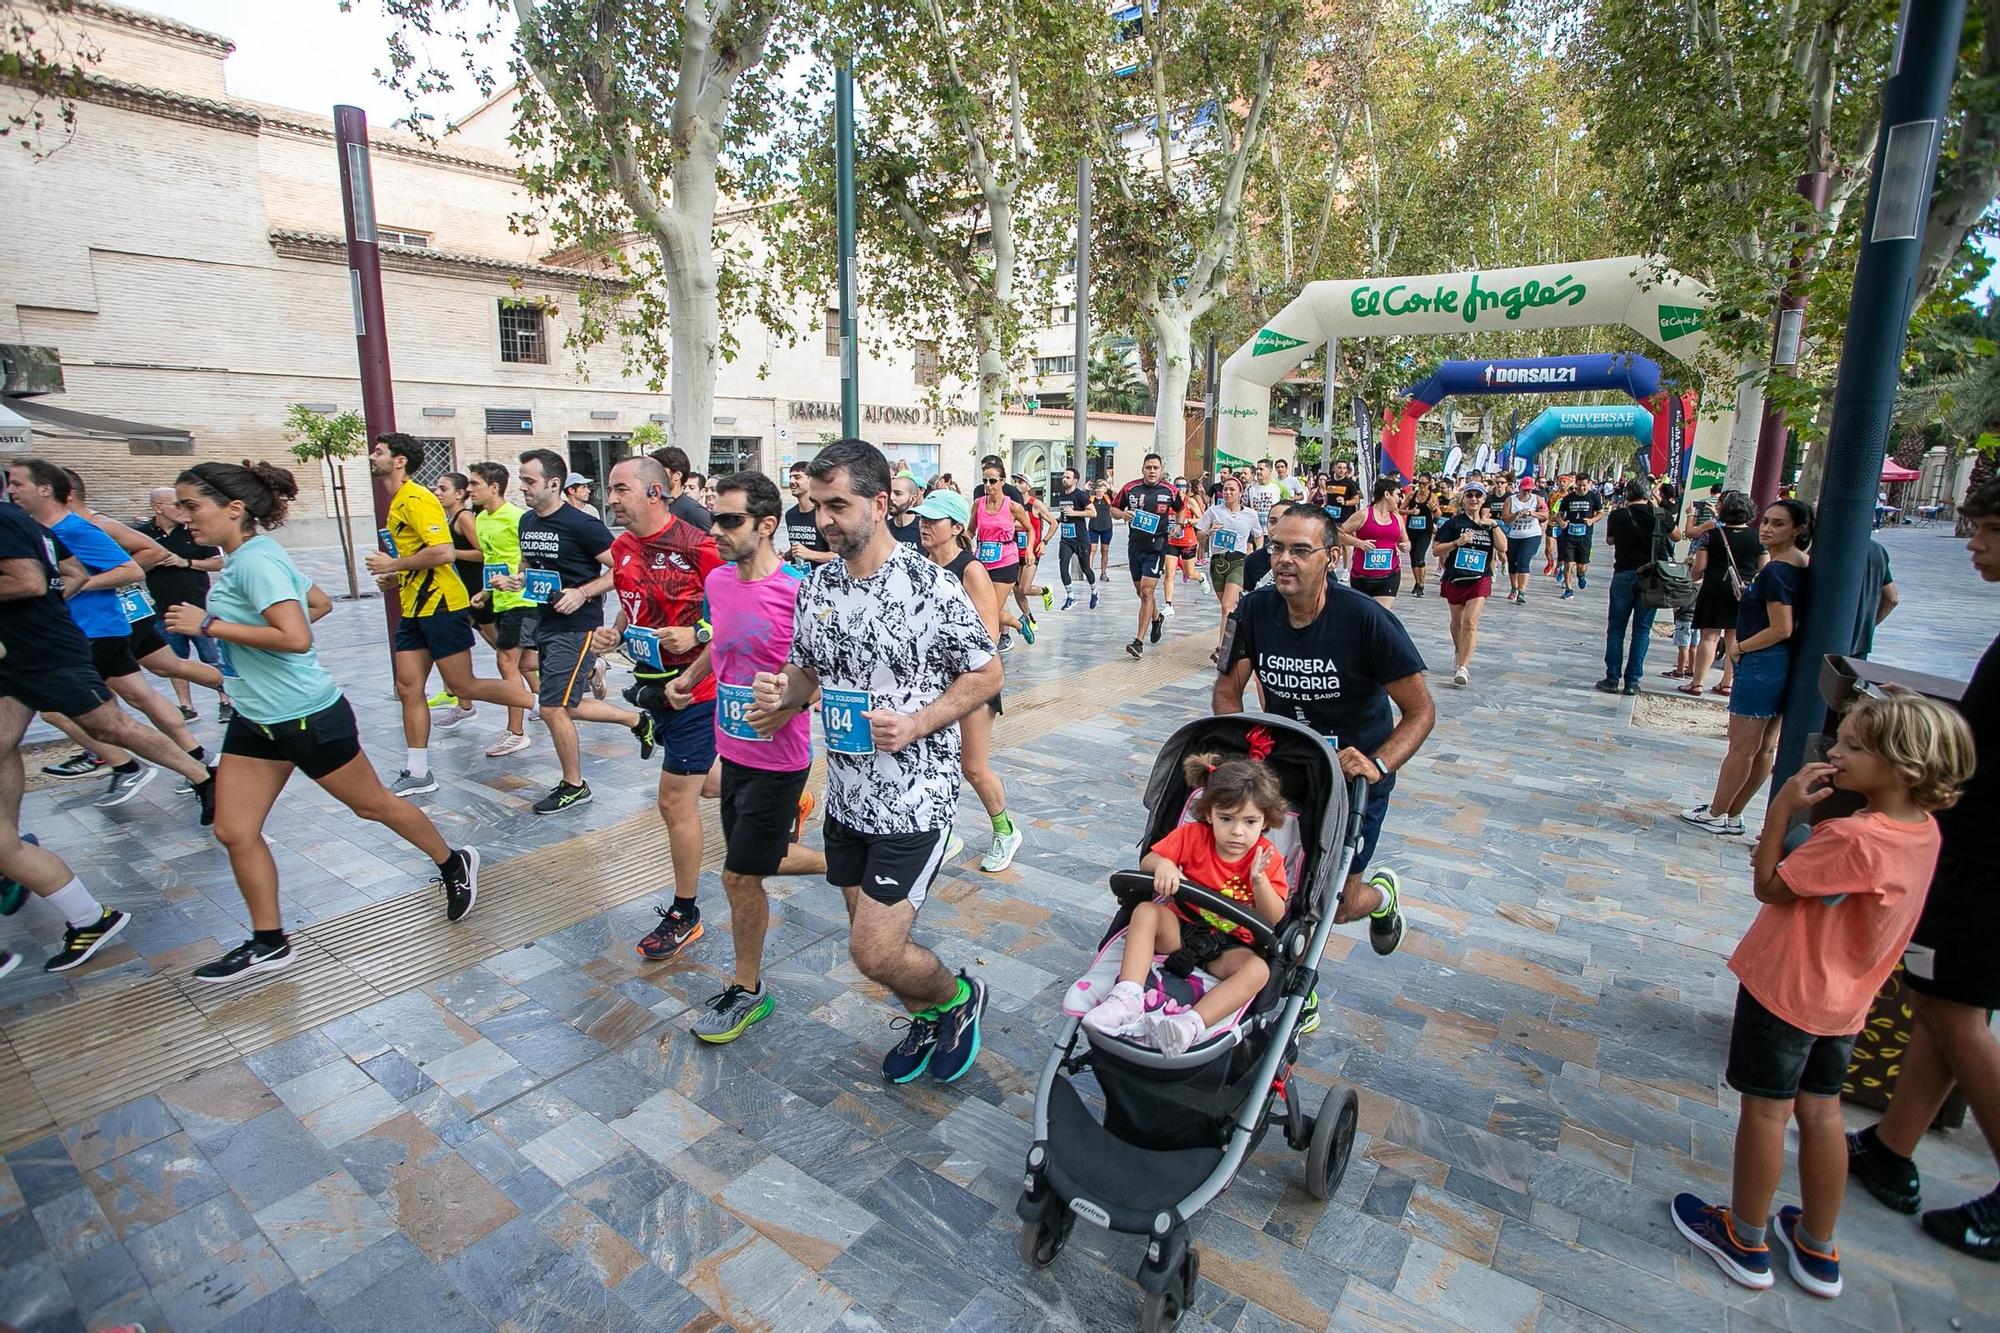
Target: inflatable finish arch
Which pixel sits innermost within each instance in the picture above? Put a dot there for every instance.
(1670, 311)
(1557, 422)
(1618, 372)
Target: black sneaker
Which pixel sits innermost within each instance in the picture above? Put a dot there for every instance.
(674, 933)
(912, 1055)
(244, 959)
(958, 1033)
(461, 883)
(204, 796)
(1973, 1226)
(1608, 685)
(645, 733)
(1135, 649)
(188, 714)
(82, 764)
(1631, 687)
(1159, 624)
(81, 943)
(225, 712)
(1385, 932)
(563, 796)
(1890, 1178)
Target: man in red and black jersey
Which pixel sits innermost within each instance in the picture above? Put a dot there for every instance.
(658, 564)
(1147, 506)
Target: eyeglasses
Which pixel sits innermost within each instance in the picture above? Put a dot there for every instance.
(731, 521)
(1298, 551)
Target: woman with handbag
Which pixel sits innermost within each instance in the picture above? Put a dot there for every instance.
(1765, 623)
(1639, 532)
(1727, 558)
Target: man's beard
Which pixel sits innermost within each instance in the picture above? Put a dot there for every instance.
(847, 545)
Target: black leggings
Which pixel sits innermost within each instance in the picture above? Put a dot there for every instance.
(1079, 548)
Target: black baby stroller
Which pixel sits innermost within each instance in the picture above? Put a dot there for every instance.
(1176, 1129)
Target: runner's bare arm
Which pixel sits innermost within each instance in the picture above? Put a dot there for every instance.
(317, 602)
(134, 543)
(1227, 696)
(118, 576)
(1416, 714)
(22, 578)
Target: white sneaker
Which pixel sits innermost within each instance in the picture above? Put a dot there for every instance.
(445, 719)
(1701, 817)
(1173, 1033)
(1001, 854)
(510, 742)
(1733, 825)
(1462, 676)
(1166, 610)
(1122, 1009)
(954, 846)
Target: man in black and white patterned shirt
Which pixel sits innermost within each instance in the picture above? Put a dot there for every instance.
(892, 645)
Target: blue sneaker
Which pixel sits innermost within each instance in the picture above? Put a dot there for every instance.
(958, 1033)
(1568, 594)
(1708, 1226)
(1817, 1273)
(912, 1055)
(1093, 599)
(1582, 582)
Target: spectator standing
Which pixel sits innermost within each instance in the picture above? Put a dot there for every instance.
(1726, 558)
(1634, 529)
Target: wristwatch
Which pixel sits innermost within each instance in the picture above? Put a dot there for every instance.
(1380, 767)
(703, 632)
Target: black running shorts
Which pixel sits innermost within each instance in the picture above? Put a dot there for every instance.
(759, 810)
(888, 867)
(112, 658)
(316, 744)
(48, 681)
(146, 638)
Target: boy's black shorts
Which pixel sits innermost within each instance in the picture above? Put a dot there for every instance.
(1770, 1058)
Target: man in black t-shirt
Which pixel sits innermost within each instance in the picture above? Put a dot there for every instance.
(1576, 514)
(1343, 493)
(801, 542)
(1636, 529)
(682, 502)
(1073, 513)
(1146, 505)
(1335, 660)
(182, 580)
(904, 525)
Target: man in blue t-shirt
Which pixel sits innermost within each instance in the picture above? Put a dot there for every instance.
(1335, 660)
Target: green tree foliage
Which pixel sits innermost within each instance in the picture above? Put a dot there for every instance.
(325, 439)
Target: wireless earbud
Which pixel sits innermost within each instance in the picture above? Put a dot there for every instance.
(653, 492)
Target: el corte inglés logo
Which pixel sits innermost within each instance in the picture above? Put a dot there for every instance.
(1678, 321)
(1269, 340)
(1471, 302)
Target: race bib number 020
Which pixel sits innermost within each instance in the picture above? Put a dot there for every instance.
(1378, 562)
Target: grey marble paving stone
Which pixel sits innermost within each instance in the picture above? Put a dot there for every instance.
(416, 1295)
(115, 1133)
(265, 1159)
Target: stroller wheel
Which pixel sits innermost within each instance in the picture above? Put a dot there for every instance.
(1162, 1312)
(1042, 1241)
(1332, 1141)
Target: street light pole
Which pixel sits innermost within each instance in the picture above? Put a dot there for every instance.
(364, 276)
(1080, 398)
(1871, 355)
(843, 147)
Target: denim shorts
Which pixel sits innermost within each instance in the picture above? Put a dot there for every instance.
(1759, 683)
(1770, 1058)
(201, 645)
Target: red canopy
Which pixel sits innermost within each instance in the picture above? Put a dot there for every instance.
(1894, 471)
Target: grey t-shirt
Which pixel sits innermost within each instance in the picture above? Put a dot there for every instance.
(690, 510)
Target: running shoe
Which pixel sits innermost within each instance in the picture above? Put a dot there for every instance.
(244, 959)
(1568, 594)
(645, 732)
(1817, 1273)
(1309, 1016)
(82, 764)
(1609, 685)
(912, 1055)
(1385, 926)
(1520, 599)
(563, 796)
(188, 714)
(225, 712)
(1711, 1230)
(409, 784)
(460, 882)
(1159, 625)
(597, 687)
(1166, 610)
(510, 742)
(1028, 630)
(1048, 599)
(1418, 591)
(674, 933)
(805, 810)
(1732, 826)
(1973, 1226)
(1702, 817)
(443, 699)
(1093, 599)
(1461, 677)
(13, 893)
(204, 798)
(124, 786)
(8, 962)
(1172, 1034)
(1135, 649)
(81, 943)
(1891, 1178)
(958, 1032)
(1069, 599)
(1581, 583)
(725, 1017)
(1001, 854)
(1006, 644)
(450, 718)
(954, 846)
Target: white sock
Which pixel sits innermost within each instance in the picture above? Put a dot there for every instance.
(76, 904)
(419, 761)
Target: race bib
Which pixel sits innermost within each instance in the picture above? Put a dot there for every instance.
(1021, 540)
(732, 708)
(1146, 521)
(1069, 532)
(1222, 539)
(541, 586)
(1469, 560)
(840, 717)
(1579, 529)
(499, 571)
(1378, 562)
(989, 552)
(136, 605)
(387, 539)
(1418, 522)
(643, 647)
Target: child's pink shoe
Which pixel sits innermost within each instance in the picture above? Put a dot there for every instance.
(1174, 1033)
(1124, 1007)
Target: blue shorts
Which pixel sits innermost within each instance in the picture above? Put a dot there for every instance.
(201, 645)
(1146, 564)
(442, 634)
(1758, 690)
(1100, 538)
(687, 738)
(1371, 822)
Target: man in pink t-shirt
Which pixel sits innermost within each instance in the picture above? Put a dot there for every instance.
(750, 604)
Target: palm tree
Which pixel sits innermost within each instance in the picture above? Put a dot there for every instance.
(1115, 386)
(1963, 397)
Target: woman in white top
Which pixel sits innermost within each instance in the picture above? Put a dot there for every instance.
(1524, 512)
(1229, 531)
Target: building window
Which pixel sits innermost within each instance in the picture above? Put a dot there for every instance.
(1055, 365)
(436, 462)
(833, 330)
(927, 364)
(521, 335)
(397, 236)
(1060, 315)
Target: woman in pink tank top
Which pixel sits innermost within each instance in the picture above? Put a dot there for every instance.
(1378, 573)
(996, 518)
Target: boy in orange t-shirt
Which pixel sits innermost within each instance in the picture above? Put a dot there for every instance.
(1837, 914)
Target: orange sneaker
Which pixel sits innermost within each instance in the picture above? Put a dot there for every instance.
(805, 809)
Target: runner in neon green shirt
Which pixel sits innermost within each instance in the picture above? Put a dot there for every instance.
(498, 527)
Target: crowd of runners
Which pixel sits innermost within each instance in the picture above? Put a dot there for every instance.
(886, 606)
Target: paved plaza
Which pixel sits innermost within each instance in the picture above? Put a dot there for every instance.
(505, 1125)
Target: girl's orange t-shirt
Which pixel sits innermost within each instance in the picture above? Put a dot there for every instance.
(1192, 848)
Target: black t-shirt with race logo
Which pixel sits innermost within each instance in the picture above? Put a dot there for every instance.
(1478, 537)
(1579, 509)
(567, 541)
(1331, 674)
(37, 629)
(1160, 500)
(801, 530)
(1343, 497)
(1078, 499)
(910, 532)
(172, 587)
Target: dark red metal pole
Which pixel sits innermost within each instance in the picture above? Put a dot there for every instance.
(1769, 470)
(364, 275)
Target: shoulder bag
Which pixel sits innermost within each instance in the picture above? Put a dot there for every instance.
(1665, 584)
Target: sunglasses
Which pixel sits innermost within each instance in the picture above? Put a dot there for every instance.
(730, 521)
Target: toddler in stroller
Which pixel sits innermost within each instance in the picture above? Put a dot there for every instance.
(1180, 1107)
